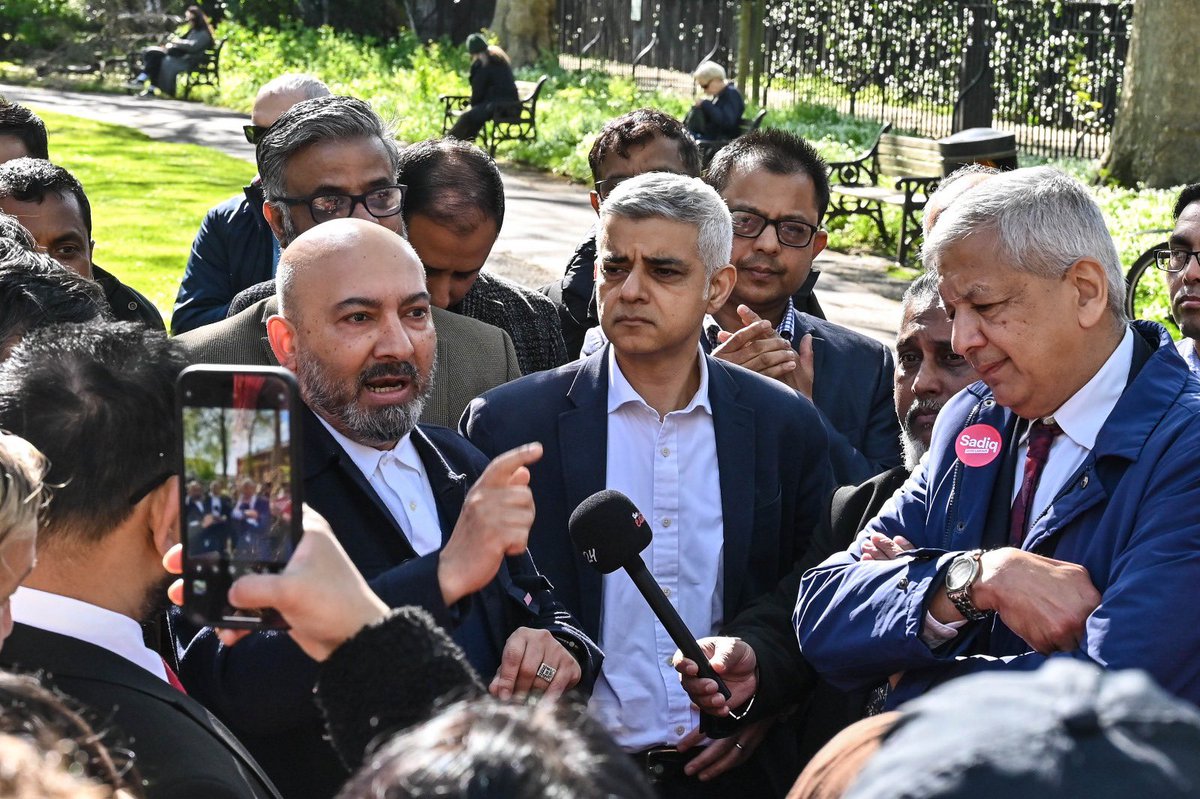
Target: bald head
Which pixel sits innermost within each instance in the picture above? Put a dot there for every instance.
(324, 257)
(282, 93)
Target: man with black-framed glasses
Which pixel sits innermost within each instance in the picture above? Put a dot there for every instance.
(1182, 264)
(235, 248)
(777, 189)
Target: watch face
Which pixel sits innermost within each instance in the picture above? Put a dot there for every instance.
(960, 572)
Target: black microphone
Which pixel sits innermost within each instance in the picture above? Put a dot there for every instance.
(610, 532)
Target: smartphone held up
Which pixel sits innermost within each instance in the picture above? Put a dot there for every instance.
(241, 485)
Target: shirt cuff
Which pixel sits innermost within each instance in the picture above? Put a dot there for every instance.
(934, 633)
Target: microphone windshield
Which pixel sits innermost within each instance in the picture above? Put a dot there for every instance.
(608, 530)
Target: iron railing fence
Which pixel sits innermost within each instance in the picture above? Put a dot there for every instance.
(1048, 70)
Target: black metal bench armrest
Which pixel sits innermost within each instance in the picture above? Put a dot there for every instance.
(912, 186)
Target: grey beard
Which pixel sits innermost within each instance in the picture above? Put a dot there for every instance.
(370, 427)
(914, 450)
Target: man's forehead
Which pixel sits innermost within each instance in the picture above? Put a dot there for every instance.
(654, 237)
(760, 191)
(657, 153)
(1188, 224)
(925, 321)
(54, 215)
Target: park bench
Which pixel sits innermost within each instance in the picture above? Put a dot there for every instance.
(710, 147)
(206, 73)
(860, 187)
(510, 121)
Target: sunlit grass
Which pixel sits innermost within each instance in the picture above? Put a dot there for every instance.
(148, 197)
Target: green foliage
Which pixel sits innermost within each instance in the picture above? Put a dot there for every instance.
(39, 24)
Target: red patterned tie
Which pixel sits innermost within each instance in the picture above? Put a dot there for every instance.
(173, 678)
(1041, 436)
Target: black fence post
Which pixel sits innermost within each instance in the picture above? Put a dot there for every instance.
(976, 79)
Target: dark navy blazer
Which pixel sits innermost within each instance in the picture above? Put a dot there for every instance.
(771, 456)
(262, 688)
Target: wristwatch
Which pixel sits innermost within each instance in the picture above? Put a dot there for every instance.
(960, 577)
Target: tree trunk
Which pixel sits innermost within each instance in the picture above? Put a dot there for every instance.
(525, 28)
(1156, 135)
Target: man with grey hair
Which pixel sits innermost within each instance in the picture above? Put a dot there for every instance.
(235, 248)
(730, 468)
(1056, 510)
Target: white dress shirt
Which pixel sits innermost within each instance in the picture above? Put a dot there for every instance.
(399, 478)
(1080, 418)
(92, 624)
(667, 467)
(1187, 348)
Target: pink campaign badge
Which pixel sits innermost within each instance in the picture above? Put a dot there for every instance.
(978, 445)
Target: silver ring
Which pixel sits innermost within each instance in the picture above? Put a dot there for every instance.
(739, 746)
(547, 672)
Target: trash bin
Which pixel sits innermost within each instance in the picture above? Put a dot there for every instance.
(986, 146)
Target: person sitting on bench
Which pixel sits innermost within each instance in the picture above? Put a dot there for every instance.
(492, 84)
(719, 115)
(161, 65)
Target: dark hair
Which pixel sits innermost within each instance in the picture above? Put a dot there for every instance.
(639, 127)
(36, 291)
(449, 180)
(500, 750)
(200, 20)
(50, 722)
(18, 121)
(98, 401)
(31, 179)
(777, 151)
(1189, 195)
(331, 117)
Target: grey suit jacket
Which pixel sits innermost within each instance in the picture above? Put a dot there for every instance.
(472, 356)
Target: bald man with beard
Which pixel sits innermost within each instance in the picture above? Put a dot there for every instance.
(354, 325)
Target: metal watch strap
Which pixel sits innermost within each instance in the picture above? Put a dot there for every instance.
(962, 597)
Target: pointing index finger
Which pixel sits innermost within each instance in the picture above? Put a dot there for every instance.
(504, 466)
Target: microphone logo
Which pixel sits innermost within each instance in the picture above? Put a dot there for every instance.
(589, 555)
(638, 518)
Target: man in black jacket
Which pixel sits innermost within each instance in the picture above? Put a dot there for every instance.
(412, 505)
(49, 202)
(234, 248)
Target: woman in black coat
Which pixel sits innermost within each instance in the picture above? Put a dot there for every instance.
(492, 84)
(719, 114)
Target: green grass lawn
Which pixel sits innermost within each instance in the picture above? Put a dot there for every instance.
(148, 197)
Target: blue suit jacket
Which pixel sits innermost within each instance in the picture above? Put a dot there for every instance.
(1130, 515)
(262, 688)
(771, 456)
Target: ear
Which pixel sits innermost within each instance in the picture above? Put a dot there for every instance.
(820, 240)
(1090, 283)
(274, 218)
(282, 336)
(720, 287)
(595, 198)
(162, 513)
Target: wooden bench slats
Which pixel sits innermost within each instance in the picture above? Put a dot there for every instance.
(877, 194)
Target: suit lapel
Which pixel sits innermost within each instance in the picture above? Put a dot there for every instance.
(803, 327)
(63, 656)
(733, 425)
(449, 486)
(321, 454)
(583, 430)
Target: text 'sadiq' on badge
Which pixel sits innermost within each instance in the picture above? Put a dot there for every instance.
(978, 445)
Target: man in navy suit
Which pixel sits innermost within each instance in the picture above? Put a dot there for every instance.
(355, 326)
(777, 188)
(730, 469)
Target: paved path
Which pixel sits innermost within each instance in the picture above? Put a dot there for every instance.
(546, 216)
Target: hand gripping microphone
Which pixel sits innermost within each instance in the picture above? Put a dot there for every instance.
(610, 533)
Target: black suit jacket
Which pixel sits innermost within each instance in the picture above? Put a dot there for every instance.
(771, 457)
(181, 750)
(262, 688)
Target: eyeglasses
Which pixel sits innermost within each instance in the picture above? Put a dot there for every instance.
(254, 133)
(605, 187)
(1174, 260)
(382, 202)
(791, 232)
